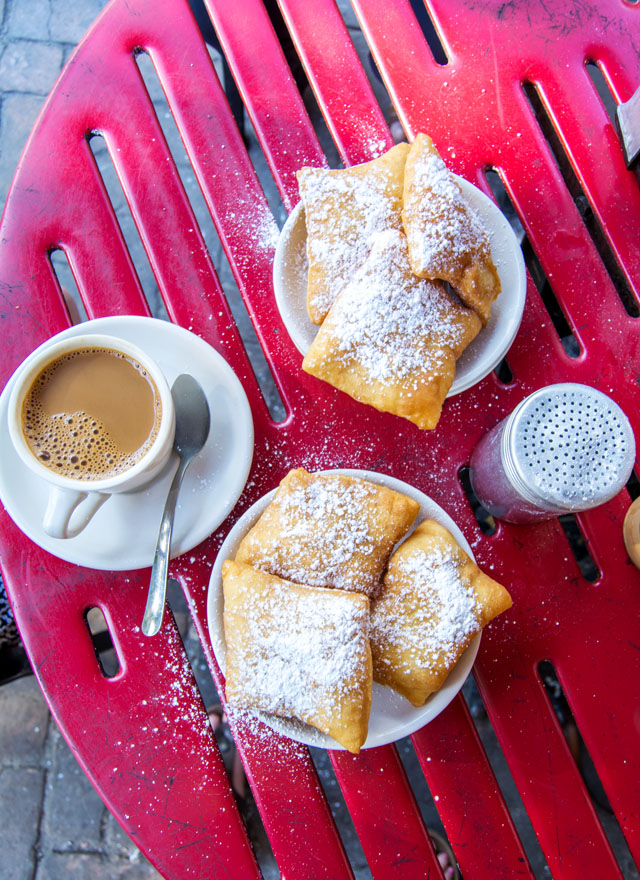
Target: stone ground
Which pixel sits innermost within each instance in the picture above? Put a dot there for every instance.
(54, 825)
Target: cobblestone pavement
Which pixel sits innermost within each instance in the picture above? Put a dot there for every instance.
(53, 824)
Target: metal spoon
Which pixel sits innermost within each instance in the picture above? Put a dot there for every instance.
(192, 430)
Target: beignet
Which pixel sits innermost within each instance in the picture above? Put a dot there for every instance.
(434, 600)
(328, 530)
(445, 235)
(298, 652)
(343, 208)
(391, 339)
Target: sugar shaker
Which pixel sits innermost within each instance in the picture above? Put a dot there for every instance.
(564, 448)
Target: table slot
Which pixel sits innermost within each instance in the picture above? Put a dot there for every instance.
(569, 619)
(460, 770)
(579, 547)
(181, 610)
(579, 751)
(385, 813)
(223, 170)
(106, 286)
(49, 317)
(552, 791)
(570, 342)
(154, 194)
(128, 228)
(504, 201)
(288, 794)
(102, 642)
(269, 93)
(601, 528)
(503, 372)
(587, 207)
(358, 126)
(570, 287)
(594, 700)
(585, 765)
(378, 20)
(281, 774)
(486, 522)
(146, 61)
(428, 22)
(603, 88)
(340, 812)
(266, 232)
(561, 243)
(64, 276)
(633, 486)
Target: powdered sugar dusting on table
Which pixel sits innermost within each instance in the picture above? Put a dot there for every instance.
(392, 323)
(256, 223)
(442, 618)
(257, 726)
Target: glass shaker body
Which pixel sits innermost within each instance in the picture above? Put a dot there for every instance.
(491, 484)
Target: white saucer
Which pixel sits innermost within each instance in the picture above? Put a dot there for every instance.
(122, 535)
(490, 345)
(392, 717)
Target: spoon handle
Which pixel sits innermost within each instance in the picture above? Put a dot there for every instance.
(154, 611)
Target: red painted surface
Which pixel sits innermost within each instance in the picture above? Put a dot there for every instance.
(155, 762)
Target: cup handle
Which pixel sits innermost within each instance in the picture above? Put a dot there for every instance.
(61, 506)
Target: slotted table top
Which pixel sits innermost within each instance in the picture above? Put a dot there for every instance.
(515, 97)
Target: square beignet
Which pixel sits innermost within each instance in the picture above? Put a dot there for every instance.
(391, 340)
(446, 237)
(343, 208)
(433, 601)
(298, 652)
(328, 530)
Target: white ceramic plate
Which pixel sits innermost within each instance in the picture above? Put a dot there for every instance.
(392, 717)
(123, 533)
(490, 345)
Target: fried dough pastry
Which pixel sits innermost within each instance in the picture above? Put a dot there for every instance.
(298, 652)
(328, 530)
(446, 237)
(433, 601)
(392, 340)
(343, 208)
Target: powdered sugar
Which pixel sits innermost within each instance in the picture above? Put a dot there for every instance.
(260, 727)
(333, 534)
(392, 323)
(443, 608)
(303, 651)
(342, 213)
(440, 225)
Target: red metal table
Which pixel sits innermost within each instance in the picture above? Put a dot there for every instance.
(516, 97)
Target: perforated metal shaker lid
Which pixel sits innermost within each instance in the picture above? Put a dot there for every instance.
(567, 447)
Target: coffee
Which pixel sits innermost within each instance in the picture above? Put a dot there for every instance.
(91, 414)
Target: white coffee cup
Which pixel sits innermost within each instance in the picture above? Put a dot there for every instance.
(73, 502)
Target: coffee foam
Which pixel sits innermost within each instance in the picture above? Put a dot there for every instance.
(77, 444)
